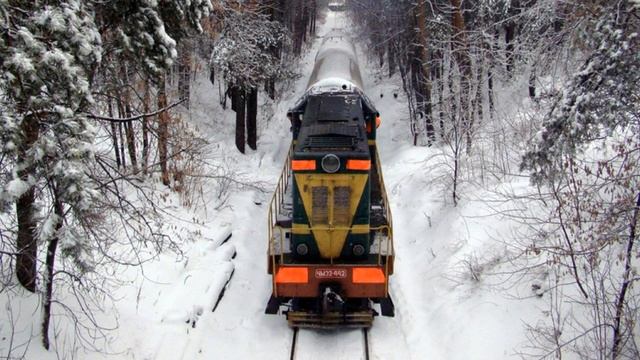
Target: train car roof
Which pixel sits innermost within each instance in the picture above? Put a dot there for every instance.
(336, 65)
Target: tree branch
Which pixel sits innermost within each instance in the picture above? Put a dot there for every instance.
(620, 301)
(137, 117)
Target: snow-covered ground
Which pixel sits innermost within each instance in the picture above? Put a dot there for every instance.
(166, 310)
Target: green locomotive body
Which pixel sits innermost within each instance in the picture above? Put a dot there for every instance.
(330, 230)
(333, 195)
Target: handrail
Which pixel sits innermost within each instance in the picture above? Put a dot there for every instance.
(385, 199)
(274, 212)
(385, 202)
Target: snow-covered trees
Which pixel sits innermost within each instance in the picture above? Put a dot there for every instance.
(142, 40)
(579, 63)
(244, 54)
(51, 53)
(437, 48)
(249, 53)
(601, 98)
(587, 155)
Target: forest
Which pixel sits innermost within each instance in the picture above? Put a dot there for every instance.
(102, 124)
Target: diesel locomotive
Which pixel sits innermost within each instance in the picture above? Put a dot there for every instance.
(330, 252)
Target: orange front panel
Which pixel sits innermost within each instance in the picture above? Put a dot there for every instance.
(368, 276)
(301, 165)
(353, 164)
(292, 275)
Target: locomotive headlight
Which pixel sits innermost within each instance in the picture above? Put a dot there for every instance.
(302, 249)
(358, 250)
(330, 163)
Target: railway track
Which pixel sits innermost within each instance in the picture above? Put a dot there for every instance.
(294, 341)
(294, 352)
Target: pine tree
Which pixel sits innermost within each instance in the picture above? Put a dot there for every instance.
(50, 53)
(245, 57)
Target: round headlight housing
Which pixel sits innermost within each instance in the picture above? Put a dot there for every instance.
(302, 249)
(358, 250)
(330, 163)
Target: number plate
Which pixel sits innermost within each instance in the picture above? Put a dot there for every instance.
(331, 273)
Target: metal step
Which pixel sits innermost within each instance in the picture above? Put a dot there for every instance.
(329, 321)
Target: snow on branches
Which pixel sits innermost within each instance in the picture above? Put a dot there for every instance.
(48, 56)
(601, 99)
(148, 30)
(585, 158)
(51, 53)
(243, 53)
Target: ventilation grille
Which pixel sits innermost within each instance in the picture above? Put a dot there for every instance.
(330, 143)
(319, 208)
(341, 206)
(321, 200)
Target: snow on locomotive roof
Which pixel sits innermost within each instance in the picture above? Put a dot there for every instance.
(332, 84)
(336, 65)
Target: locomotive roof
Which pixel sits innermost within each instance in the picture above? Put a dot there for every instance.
(333, 122)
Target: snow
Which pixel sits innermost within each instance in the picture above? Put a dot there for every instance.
(21, 61)
(197, 289)
(16, 187)
(332, 84)
(49, 227)
(451, 301)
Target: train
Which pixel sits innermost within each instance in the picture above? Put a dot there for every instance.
(337, 6)
(330, 233)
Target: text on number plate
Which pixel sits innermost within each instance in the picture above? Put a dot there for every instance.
(331, 273)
